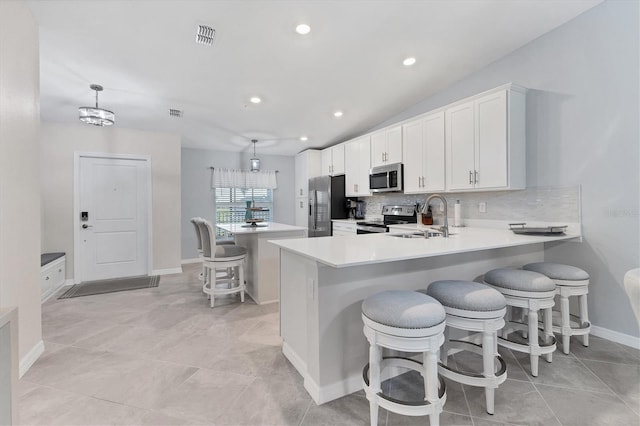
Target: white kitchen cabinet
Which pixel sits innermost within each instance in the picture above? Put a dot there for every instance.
(333, 160)
(424, 160)
(485, 142)
(52, 277)
(343, 228)
(308, 164)
(302, 211)
(357, 154)
(386, 146)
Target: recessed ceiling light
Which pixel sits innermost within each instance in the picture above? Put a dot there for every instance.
(255, 100)
(303, 29)
(304, 138)
(337, 114)
(409, 61)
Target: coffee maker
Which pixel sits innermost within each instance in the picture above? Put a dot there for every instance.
(355, 209)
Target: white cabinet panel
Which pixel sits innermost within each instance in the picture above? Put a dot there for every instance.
(333, 160)
(486, 142)
(386, 146)
(423, 145)
(302, 211)
(308, 164)
(357, 154)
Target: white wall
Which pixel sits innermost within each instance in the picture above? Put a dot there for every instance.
(582, 129)
(59, 142)
(19, 170)
(197, 196)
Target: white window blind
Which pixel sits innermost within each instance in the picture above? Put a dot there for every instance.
(231, 204)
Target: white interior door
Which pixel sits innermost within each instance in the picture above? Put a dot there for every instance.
(112, 218)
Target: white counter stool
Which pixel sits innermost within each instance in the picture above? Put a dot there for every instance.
(194, 221)
(533, 292)
(570, 281)
(478, 308)
(404, 321)
(221, 257)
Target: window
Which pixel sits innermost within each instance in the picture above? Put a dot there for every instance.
(231, 205)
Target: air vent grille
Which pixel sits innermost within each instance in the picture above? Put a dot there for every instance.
(205, 35)
(175, 113)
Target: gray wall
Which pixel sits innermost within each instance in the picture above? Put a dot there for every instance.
(197, 196)
(582, 129)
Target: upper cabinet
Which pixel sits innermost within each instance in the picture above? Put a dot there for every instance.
(423, 152)
(357, 153)
(307, 165)
(485, 142)
(333, 160)
(386, 146)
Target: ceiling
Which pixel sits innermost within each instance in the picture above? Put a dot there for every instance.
(144, 54)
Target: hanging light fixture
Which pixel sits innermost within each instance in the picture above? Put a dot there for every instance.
(255, 161)
(96, 116)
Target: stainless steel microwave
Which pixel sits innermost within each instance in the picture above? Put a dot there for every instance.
(386, 178)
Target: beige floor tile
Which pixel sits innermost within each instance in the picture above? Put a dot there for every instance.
(585, 408)
(604, 350)
(53, 368)
(624, 380)
(446, 419)
(204, 396)
(348, 410)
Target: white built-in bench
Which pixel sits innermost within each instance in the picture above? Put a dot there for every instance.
(52, 273)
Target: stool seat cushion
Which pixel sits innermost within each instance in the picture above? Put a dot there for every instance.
(557, 271)
(229, 250)
(466, 295)
(403, 309)
(518, 279)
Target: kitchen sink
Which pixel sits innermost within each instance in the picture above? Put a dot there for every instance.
(431, 233)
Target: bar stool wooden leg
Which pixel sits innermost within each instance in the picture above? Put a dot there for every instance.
(430, 362)
(566, 323)
(548, 330)
(444, 349)
(488, 352)
(241, 281)
(584, 317)
(533, 340)
(375, 359)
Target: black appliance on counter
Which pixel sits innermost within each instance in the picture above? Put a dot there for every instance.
(355, 209)
(391, 215)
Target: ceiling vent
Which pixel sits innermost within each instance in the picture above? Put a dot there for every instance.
(205, 35)
(175, 113)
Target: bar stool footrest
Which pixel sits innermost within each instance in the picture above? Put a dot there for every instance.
(408, 408)
(474, 379)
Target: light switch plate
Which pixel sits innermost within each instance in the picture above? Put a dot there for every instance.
(482, 207)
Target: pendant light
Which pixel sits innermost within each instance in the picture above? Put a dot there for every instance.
(96, 116)
(255, 161)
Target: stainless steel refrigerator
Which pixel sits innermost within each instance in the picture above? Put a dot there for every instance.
(326, 201)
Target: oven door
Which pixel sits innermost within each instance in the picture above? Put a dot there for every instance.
(370, 229)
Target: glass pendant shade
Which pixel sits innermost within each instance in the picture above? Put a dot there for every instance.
(96, 115)
(255, 161)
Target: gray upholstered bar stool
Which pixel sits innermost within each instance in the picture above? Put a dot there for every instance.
(405, 321)
(570, 281)
(478, 308)
(194, 221)
(532, 292)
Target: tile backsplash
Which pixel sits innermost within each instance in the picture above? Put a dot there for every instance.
(543, 204)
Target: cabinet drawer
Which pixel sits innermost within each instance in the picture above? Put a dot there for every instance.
(52, 277)
(344, 228)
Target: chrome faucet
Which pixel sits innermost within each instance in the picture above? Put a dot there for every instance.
(445, 228)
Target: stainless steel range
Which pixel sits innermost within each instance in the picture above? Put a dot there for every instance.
(392, 215)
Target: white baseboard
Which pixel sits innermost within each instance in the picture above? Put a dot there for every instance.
(187, 261)
(297, 362)
(31, 357)
(615, 336)
(68, 282)
(167, 271)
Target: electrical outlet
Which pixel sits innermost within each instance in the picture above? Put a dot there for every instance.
(482, 207)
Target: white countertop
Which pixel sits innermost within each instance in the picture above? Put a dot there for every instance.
(353, 221)
(366, 249)
(238, 228)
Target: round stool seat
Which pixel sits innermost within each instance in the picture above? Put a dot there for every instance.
(459, 296)
(403, 309)
(229, 251)
(512, 281)
(557, 271)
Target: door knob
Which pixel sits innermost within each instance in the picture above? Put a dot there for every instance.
(85, 226)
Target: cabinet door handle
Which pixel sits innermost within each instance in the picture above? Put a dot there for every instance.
(419, 183)
(300, 191)
(301, 204)
(382, 157)
(470, 177)
(475, 176)
(47, 278)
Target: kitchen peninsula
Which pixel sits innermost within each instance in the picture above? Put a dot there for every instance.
(262, 272)
(323, 282)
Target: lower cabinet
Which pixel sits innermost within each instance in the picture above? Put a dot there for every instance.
(302, 211)
(52, 277)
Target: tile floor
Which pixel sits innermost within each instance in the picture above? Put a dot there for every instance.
(161, 356)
